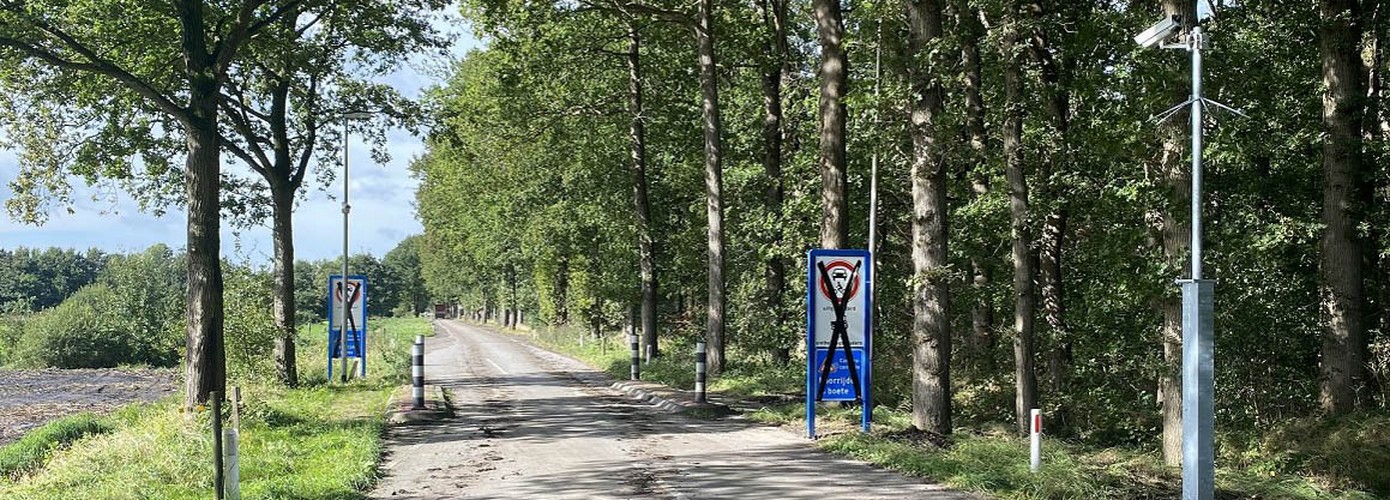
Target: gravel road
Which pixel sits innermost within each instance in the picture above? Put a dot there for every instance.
(534, 424)
(29, 398)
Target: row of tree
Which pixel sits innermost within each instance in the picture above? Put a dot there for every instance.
(129, 310)
(32, 279)
(116, 93)
(679, 159)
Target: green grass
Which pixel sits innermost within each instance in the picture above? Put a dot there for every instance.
(1310, 460)
(318, 441)
(675, 368)
(31, 451)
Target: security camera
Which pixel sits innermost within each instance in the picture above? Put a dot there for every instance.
(1156, 34)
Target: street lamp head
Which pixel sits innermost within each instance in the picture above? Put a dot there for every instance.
(357, 115)
(1161, 31)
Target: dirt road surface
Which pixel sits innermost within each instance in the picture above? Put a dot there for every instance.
(534, 424)
(29, 398)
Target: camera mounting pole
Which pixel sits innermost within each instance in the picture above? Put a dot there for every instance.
(1198, 468)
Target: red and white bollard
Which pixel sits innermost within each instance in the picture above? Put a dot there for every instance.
(1035, 464)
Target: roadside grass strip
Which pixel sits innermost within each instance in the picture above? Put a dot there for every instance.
(994, 462)
(33, 450)
(317, 441)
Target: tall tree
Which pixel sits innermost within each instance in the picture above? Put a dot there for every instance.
(1053, 76)
(1175, 176)
(776, 67)
(931, 321)
(1011, 51)
(170, 62)
(982, 308)
(637, 152)
(834, 82)
(1342, 368)
(714, 184)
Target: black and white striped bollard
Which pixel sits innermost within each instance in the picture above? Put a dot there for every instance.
(699, 372)
(636, 355)
(417, 372)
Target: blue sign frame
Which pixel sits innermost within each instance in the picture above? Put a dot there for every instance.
(356, 337)
(837, 383)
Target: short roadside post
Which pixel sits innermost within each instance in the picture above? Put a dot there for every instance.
(1035, 462)
(417, 372)
(700, 372)
(636, 354)
(215, 404)
(231, 437)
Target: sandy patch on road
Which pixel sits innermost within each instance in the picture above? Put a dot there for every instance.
(29, 398)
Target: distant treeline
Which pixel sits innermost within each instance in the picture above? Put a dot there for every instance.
(69, 309)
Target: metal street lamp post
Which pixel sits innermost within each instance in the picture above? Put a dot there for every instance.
(343, 281)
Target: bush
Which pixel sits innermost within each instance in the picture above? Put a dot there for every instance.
(249, 328)
(9, 336)
(84, 331)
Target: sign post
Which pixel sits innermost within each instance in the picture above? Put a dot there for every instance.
(838, 321)
(354, 320)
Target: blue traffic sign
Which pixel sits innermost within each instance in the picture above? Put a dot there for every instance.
(839, 320)
(347, 309)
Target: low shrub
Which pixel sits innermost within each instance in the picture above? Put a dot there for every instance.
(85, 331)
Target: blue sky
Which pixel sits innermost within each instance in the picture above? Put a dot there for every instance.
(382, 196)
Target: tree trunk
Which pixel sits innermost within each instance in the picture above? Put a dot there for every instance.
(981, 317)
(1053, 77)
(1175, 231)
(981, 341)
(562, 289)
(774, 72)
(931, 326)
(205, 360)
(834, 70)
(714, 187)
(513, 309)
(1342, 369)
(282, 197)
(641, 206)
(1025, 378)
(1059, 354)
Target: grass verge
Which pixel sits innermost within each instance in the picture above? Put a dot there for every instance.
(318, 441)
(994, 462)
(31, 451)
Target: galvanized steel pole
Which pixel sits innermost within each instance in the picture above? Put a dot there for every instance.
(1198, 467)
(343, 282)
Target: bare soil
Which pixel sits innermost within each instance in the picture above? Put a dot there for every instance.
(30, 398)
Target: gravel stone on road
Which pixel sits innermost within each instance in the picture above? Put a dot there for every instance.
(534, 424)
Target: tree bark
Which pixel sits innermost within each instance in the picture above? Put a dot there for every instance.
(1025, 377)
(714, 187)
(1342, 368)
(1175, 231)
(834, 71)
(282, 234)
(205, 361)
(931, 326)
(637, 140)
(981, 340)
(774, 72)
(562, 289)
(1053, 77)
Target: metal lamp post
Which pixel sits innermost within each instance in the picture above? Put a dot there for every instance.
(343, 282)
